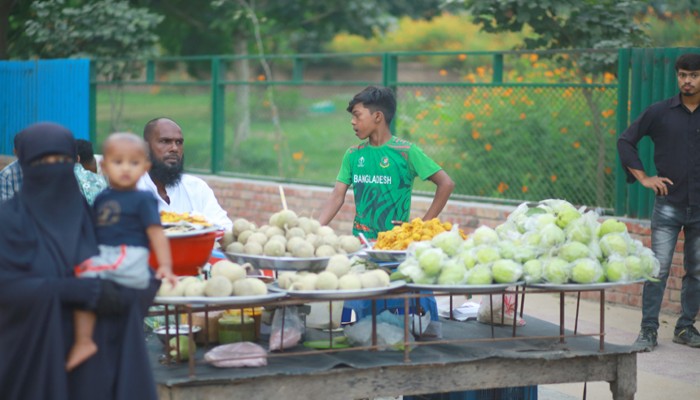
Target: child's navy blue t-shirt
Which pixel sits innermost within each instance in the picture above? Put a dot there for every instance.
(123, 216)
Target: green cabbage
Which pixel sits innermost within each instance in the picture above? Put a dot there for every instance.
(484, 235)
(611, 225)
(551, 235)
(452, 273)
(486, 254)
(586, 270)
(556, 270)
(614, 243)
(417, 248)
(467, 258)
(573, 251)
(448, 241)
(506, 271)
(431, 261)
(566, 215)
(583, 229)
(616, 270)
(508, 231)
(532, 271)
(480, 275)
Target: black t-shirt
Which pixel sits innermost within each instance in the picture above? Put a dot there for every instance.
(123, 216)
(675, 132)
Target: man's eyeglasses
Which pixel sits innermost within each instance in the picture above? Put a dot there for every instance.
(692, 75)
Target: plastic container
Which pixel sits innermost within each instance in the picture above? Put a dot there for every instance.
(236, 329)
(189, 253)
(320, 315)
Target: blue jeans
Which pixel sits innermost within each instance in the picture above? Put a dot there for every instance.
(666, 224)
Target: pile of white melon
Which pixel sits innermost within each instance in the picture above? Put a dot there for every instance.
(227, 279)
(341, 273)
(288, 235)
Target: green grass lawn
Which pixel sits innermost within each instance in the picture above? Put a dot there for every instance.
(311, 150)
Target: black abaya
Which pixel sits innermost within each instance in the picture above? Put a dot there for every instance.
(45, 230)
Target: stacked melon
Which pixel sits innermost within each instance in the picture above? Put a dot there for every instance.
(288, 235)
(341, 273)
(227, 279)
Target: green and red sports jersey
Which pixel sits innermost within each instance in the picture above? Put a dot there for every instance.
(382, 181)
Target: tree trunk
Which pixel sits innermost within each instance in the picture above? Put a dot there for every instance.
(5, 8)
(242, 110)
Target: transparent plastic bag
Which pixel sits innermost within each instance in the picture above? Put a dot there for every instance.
(390, 332)
(501, 304)
(289, 336)
(236, 355)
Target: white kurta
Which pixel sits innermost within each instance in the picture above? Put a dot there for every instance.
(191, 195)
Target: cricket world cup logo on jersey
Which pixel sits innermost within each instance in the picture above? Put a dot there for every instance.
(384, 163)
(361, 162)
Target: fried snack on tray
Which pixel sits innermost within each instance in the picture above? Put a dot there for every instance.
(171, 218)
(415, 231)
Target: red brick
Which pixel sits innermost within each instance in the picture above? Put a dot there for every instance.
(635, 301)
(674, 296)
(670, 307)
(637, 229)
(674, 282)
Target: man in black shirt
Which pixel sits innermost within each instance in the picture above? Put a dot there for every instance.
(674, 127)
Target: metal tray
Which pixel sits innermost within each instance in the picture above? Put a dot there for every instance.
(464, 289)
(339, 294)
(281, 263)
(580, 287)
(195, 232)
(386, 255)
(227, 300)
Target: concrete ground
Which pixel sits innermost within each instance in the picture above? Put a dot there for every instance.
(671, 371)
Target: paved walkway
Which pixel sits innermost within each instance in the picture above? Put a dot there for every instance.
(672, 371)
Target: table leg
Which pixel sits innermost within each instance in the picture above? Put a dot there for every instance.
(625, 386)
(578, 304)
(493, 334)
(515, 311)
(374, 322)
(602, 320)
(406, 321)
(190, 339)
(561, 317)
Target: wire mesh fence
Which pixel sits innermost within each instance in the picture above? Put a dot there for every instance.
(507, 127)
(517, 143)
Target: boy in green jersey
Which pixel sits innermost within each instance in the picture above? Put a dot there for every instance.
(381, 169)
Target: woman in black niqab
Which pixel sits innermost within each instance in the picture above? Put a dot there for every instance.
(45, 230)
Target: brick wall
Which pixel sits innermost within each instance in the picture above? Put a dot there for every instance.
(257, 200)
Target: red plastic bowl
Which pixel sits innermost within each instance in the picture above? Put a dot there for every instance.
(189, 253)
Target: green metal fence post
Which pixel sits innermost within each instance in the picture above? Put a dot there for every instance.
(217, 117)
(150, 71)
(623, 87)
(389, 77)
(646, 147)
(298, 70)
(92, 104)
(497, 68)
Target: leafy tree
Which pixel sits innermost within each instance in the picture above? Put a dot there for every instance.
(13, 13)
(110, 30)
(568, 24)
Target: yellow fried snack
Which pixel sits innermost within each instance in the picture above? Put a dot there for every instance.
(417, 230)
(170, 217)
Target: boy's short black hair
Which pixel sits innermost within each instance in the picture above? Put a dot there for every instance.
(688, 62)
(376, 98)
(84, 150)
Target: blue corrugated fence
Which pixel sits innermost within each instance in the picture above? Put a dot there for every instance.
(43, 90)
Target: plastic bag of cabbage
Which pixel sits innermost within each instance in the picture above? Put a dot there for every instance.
(550, 241)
